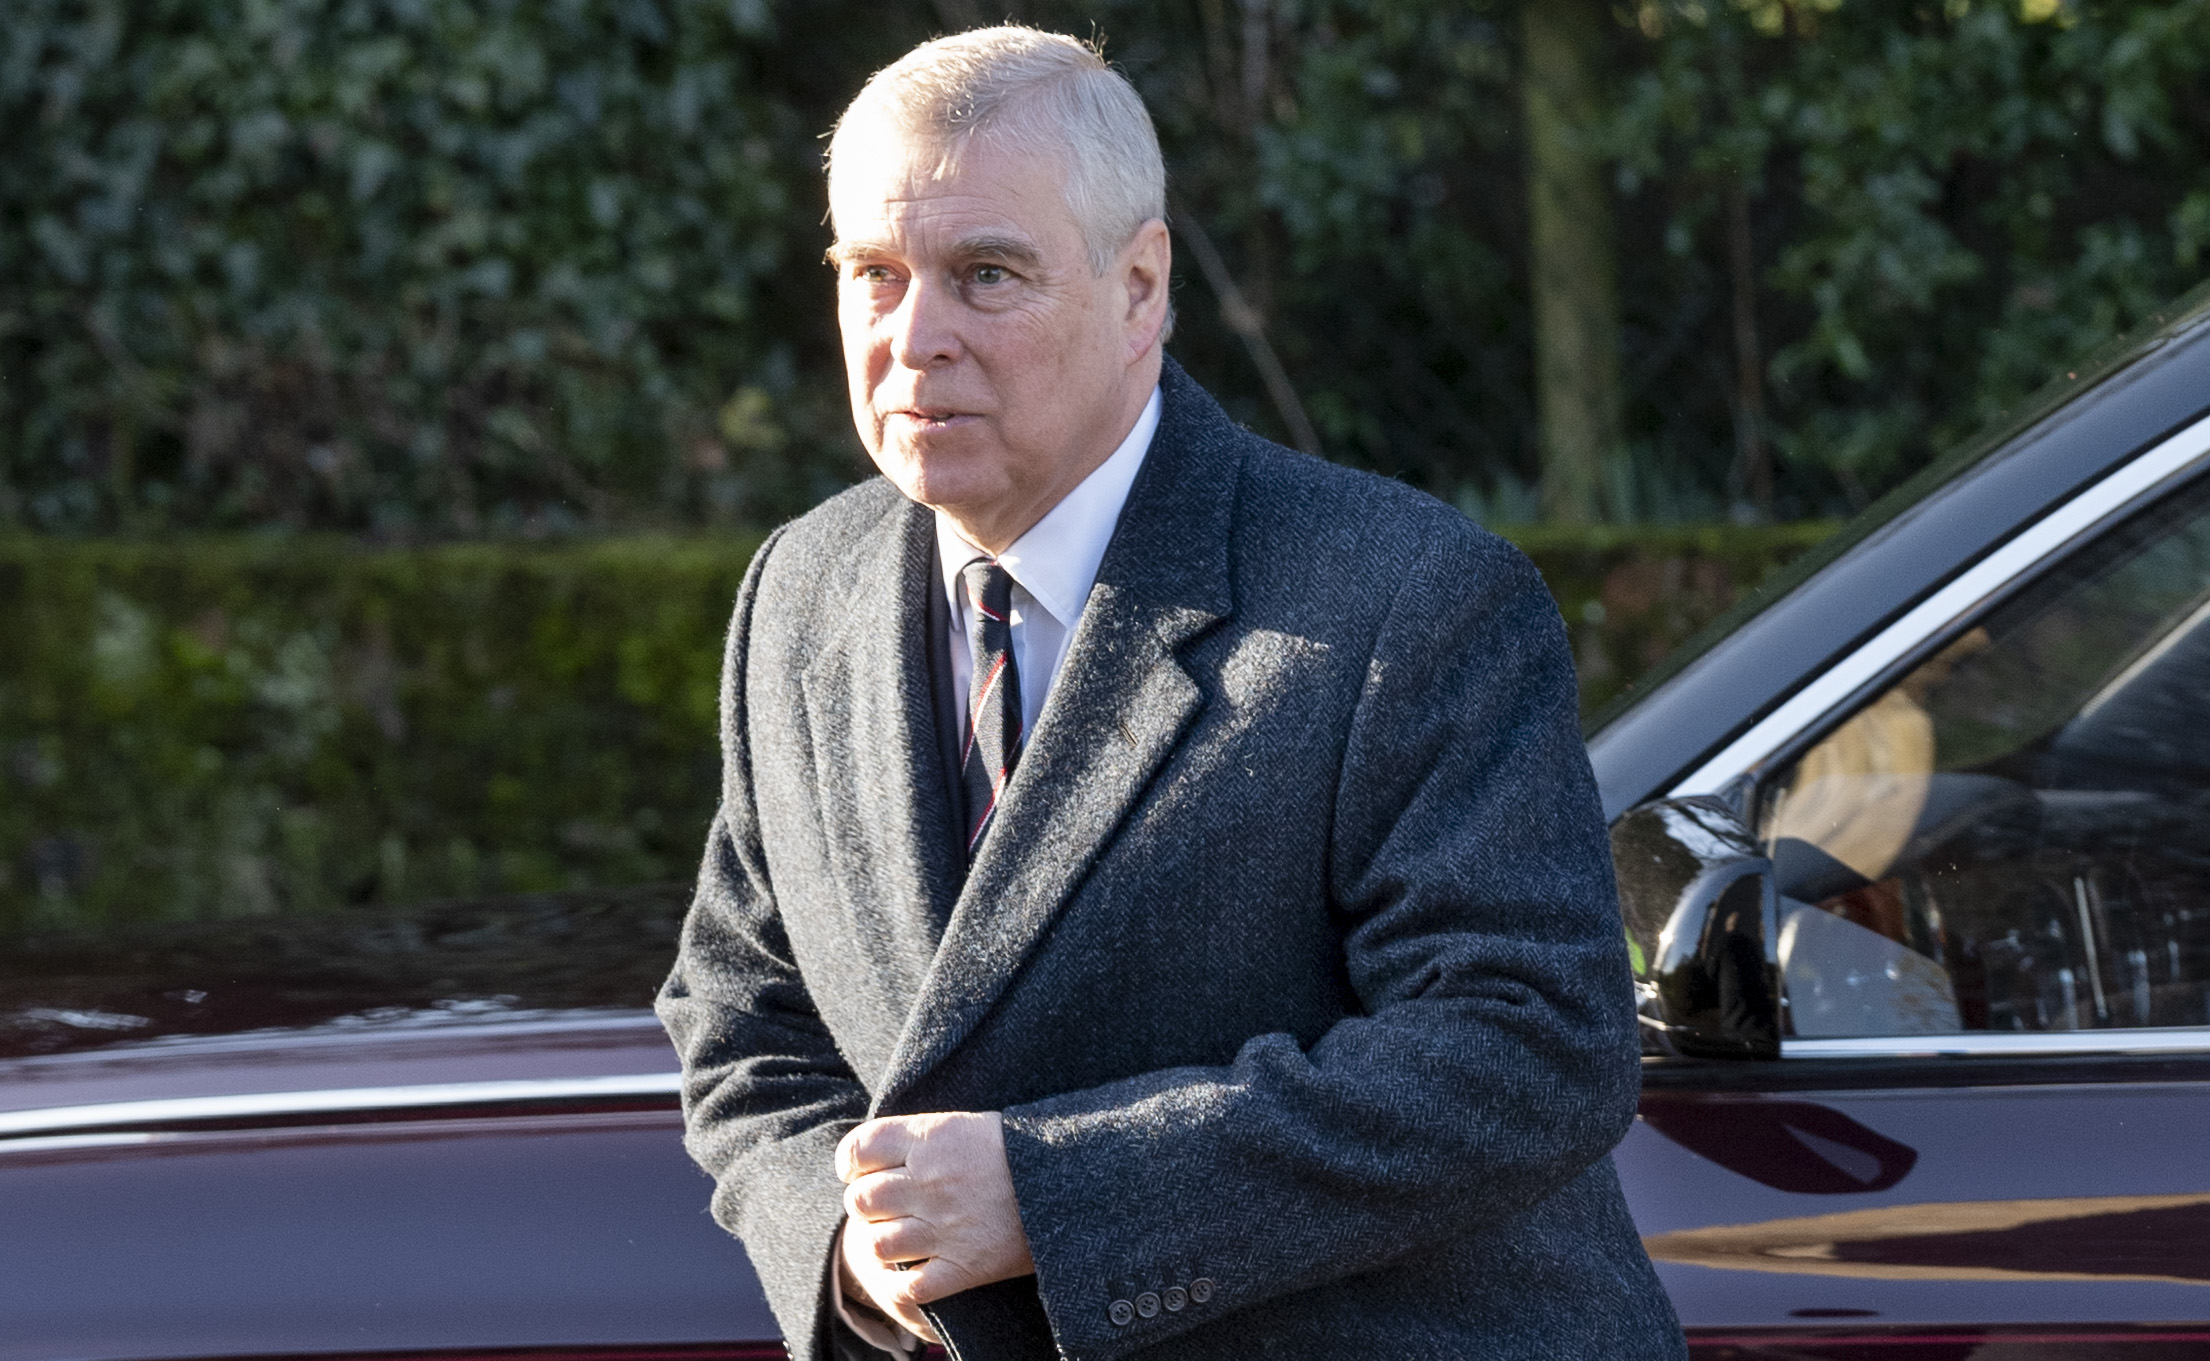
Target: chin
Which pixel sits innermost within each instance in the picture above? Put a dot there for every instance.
(942, 473)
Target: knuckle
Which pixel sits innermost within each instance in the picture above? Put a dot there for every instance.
(878, 1195)
(929, 1286)
(864, 1136)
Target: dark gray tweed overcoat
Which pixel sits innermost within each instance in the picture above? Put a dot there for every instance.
(1293, 959)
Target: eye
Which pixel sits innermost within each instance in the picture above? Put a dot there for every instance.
(991, 274)
(874, 274)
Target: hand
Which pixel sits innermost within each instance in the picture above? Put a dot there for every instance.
(931, 1192)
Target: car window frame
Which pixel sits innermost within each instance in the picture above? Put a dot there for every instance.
(1741, 769)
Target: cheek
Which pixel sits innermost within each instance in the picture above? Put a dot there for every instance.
(857, 315)
(860, 375)
(1060, 365)
(1037, 351)
(852, 325)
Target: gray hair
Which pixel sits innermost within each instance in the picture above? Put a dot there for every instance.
(1037, 92)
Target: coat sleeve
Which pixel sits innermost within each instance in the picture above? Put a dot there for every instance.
(766, 1094)
(1495, 1056)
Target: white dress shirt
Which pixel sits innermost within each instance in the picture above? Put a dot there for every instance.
(1053, 567)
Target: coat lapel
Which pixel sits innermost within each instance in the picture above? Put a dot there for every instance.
(1120, 706)
(869, 711)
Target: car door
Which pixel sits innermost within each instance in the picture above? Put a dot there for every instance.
(464, 1190)
(1988, 1134)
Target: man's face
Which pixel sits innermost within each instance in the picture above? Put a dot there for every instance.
(990, 369)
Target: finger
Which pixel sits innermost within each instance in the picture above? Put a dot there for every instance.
(932, 1280)
(893, 1242)
(882, 1195)
(859, 1240)
(915, 1322)
(872, 1147)
(844, 1172)
(880, 1284)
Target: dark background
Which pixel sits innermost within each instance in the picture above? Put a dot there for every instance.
(426, 268)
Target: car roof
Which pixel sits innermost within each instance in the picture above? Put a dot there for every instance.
(2119, 402)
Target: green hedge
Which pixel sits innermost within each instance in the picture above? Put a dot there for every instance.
(243, 726)
(1630, 594)
(234, 727)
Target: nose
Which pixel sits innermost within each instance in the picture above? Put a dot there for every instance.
(923, 331)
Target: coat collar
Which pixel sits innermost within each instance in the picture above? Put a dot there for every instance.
(1119, 708)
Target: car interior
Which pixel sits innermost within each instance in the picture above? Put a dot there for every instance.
(2014, 835)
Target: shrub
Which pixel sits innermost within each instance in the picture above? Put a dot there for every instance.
(384, 265)
(232, 727)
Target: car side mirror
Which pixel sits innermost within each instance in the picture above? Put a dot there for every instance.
(1702, 915)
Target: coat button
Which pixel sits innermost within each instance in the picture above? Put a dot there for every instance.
(1174, 1299)
(1122, 1313)
(1147, 1304)
(1200, 1289)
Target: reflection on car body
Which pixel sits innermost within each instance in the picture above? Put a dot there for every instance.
(1915, 863)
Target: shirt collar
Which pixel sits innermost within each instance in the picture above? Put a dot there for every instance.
(1056, 561)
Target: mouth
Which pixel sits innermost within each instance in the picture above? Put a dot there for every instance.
(923, 420)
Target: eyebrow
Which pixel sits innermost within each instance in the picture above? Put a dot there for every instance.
(1011, 249)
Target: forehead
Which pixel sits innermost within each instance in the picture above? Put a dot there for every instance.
(887, 189)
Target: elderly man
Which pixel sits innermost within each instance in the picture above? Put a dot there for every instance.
(1158, 903)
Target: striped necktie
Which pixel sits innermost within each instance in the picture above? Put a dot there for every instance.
(993, 740)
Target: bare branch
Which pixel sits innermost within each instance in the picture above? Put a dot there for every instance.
(1243, 319)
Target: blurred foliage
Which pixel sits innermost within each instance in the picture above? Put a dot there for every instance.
(249, 727)
(1950, 203)
(396, 264)
(1631, 594)
(436, 267)
(1357, 162)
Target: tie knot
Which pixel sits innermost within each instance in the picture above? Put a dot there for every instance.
(989, 588)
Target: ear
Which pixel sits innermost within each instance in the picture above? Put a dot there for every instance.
(1144, 268)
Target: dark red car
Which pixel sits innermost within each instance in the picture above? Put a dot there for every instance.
(1914, 855)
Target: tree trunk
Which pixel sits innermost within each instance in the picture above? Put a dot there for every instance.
(1573, 274)
(1753, 460)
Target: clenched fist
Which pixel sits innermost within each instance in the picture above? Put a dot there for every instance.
(930, 1194)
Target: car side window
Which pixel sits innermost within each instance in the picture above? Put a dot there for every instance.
(2015, 835)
